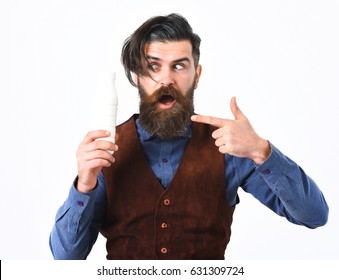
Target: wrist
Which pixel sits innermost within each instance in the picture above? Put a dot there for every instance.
(263, 152)
(84, 188)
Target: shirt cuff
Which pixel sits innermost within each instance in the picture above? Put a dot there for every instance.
(273, 167)
(80, 201)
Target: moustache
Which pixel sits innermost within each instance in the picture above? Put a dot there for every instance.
(165, 94)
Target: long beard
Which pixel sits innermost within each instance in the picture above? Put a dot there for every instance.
(166, 123)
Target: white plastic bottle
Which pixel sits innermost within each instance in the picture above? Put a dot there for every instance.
(105, 105)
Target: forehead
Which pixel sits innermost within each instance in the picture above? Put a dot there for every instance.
(169, 50)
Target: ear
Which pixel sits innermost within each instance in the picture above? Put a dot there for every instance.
(197, 75)
(135, 79)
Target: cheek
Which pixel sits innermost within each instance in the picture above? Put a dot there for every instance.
(147, 87)
(148, 83)
(187, 84)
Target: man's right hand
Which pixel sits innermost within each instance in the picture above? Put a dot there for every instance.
(92, 156)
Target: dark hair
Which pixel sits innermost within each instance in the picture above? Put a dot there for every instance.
(172, 27)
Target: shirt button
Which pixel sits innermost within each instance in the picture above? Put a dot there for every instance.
(164, 225)
(167, 202)
(163, 250)
(164, 160)
(80, 203)
(267, 171)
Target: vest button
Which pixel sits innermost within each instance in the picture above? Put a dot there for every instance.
(163, 250)
(164, 225)
(167, 202)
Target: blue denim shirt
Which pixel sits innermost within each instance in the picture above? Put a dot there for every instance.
(278, 183)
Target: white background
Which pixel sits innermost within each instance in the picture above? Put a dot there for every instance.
(280, 58)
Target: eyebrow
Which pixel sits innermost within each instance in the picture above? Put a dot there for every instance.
(182, 59)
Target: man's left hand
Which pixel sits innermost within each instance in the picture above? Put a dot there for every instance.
(237, 137)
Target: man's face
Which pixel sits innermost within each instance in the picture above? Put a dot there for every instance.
(167, 96)
(170, 63)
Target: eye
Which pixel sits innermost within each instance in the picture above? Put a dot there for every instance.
(154, 66)
(178, 66)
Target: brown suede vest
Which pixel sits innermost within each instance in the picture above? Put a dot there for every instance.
(190, 219)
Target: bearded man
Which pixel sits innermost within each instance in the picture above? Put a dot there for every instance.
(169, 191)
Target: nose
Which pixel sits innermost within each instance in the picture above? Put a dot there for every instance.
(166, 77)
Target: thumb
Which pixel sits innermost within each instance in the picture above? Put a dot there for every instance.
(238, 115)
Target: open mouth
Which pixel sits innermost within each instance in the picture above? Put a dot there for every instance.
(166, 96)
(166, 99)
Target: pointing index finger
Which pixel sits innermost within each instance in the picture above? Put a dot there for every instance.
(218, 122)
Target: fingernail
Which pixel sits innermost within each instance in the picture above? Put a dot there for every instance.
(193, 118)
(108, 132)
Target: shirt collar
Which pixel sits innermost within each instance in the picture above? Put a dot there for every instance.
(145, 136)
